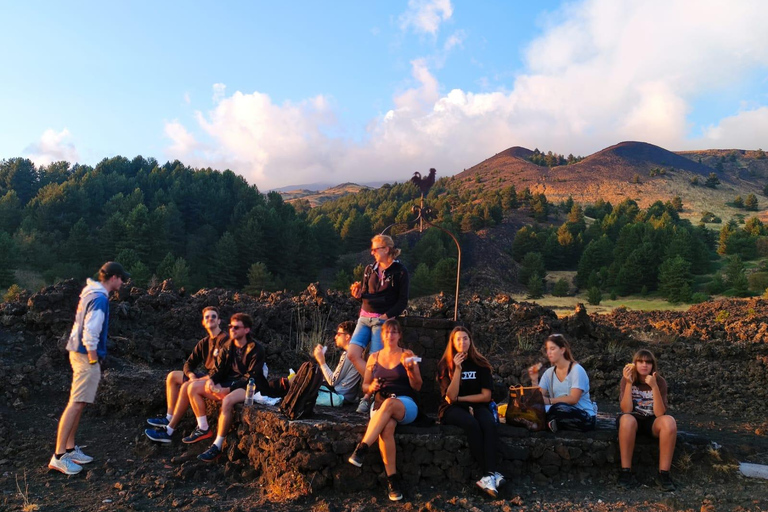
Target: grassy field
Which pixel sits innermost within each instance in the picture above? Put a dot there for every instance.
(564, 306)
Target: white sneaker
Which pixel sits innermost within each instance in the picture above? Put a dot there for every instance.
(79, 457)
(65, 465)
(499, 479)
(487, 484)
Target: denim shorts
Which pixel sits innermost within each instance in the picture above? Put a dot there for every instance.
(411, 410)
(368, 331)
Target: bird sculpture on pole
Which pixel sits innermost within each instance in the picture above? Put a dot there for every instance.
(425, 183)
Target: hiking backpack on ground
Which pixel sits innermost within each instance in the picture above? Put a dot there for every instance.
(300, 400)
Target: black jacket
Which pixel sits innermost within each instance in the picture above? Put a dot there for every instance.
(386, 296)
(205, 352)
(251, 365)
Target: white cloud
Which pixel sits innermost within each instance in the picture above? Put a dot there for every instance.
(602, 71)
(425, 16)
(455, 39)
(187, 98)
(266, 142)
(219, 91)
(745, 130)
(184, 142)
(52, 147)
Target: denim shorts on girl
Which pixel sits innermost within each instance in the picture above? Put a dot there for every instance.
(411, 410)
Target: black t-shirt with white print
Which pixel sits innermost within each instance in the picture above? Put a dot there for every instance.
(474, 379)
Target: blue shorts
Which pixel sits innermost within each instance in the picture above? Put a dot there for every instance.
(368, 331)
(411, 410)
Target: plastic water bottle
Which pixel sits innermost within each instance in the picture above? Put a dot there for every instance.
(495, 410)
(249, 392)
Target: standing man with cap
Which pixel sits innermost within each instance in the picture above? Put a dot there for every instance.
(87, 347)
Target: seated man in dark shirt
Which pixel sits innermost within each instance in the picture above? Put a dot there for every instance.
(239, 360)
(178, 381)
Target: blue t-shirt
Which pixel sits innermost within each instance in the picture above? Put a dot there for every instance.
(576, 378)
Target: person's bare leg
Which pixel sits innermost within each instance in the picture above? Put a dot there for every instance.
(227, 410)
(388, 447)
(665, 428)
(355, 356)
(627, 436)
(68, 424)
(173, 382)
(392, 408)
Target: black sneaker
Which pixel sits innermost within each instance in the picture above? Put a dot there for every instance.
(358, 456)
(212, 454)
(393, 488)
(626, 479)
(664, 481)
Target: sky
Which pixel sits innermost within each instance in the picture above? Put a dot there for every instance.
(299, 92)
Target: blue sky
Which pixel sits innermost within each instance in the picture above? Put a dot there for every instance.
(301, 92)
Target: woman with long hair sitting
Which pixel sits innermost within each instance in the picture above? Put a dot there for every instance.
(465, 381)
(392, 376)
(643, 401)
(566, 388)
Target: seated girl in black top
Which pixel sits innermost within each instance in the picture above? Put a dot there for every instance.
(465, 381)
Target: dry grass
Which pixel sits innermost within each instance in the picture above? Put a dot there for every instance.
(307, 338)
(656, 337)
(27, 506)
(564, 306)
(684, 462)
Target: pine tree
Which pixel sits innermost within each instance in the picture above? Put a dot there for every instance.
(8, 257)
(751, 203)
(535, 286)
(165, 268)
(180, 273)
(532, 265)
(675, 279)
(421, 282)
(225, 262)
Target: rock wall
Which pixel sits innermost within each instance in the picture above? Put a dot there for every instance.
(296, 458)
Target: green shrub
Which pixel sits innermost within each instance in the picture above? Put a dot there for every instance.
(699, 297)
(562, 287)
(594, 296)
(758, 280)
(14, 293)
(722, 316)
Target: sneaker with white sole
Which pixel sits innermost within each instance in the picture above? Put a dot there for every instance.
(78, 457)
(487, 484)
(364, 407)
(160, 421)
(499, 478)
(198, 435)
(358, 456)
(65, 465)
(158, 435)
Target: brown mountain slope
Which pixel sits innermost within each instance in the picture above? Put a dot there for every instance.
(624, 171)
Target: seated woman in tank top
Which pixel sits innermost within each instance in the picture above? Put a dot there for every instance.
(392, 376)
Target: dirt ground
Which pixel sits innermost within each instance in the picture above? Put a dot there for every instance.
(130, 473)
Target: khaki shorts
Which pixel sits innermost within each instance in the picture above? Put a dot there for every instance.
(85, 378)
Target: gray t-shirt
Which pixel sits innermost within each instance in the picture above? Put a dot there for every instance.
(576, 378)
(345, 379)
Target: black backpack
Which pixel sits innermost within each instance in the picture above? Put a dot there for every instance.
(300, 400)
